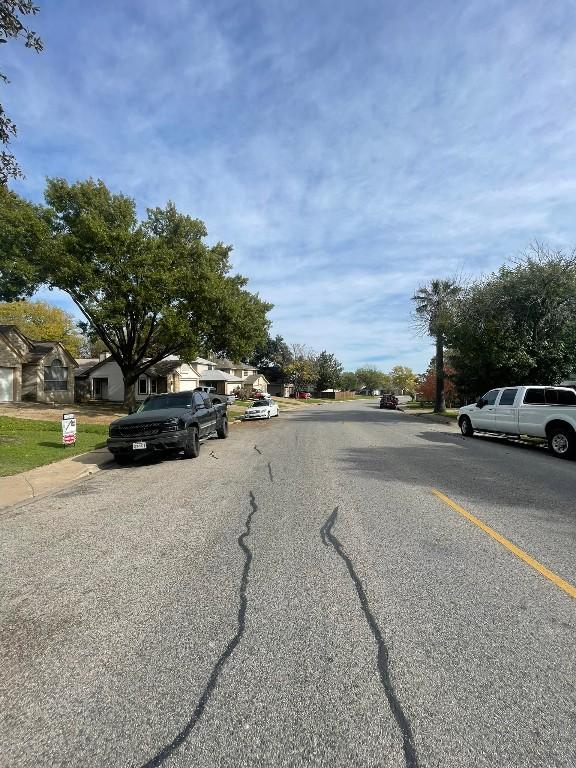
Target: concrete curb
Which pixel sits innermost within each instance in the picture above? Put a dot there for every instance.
(42, 481)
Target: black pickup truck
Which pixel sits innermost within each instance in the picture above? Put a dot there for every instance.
(172, 422)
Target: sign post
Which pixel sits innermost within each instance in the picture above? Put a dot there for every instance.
(68, 428)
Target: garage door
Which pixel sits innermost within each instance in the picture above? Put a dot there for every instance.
(6, 385)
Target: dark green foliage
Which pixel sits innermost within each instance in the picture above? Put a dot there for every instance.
(272, 352)
(349, 381)
(518, 326)
(24, 245)
(148, 289)
(329, 371)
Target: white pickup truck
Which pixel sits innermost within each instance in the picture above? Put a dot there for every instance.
(547, 412)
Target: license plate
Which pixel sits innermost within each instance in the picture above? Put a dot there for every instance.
(138, 446)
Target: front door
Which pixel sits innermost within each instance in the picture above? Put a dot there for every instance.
(483, 418)
(202, 414)
(505, 414)
(100, 388)
(6, 385)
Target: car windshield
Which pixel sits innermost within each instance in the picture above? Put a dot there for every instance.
(259, 404)
(163, 402)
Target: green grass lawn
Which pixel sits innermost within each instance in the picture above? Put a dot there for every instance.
(26, 443)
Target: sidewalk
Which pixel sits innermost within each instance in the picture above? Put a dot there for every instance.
(50, 477)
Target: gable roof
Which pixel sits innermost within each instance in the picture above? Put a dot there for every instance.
(163, 368)
(37, 350)
(6, 330)
(254, 377)
(223, 362)
(217, 375)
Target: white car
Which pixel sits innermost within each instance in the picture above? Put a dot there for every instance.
(261, 409)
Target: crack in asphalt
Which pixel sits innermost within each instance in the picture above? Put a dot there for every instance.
(383, 657)
(181, 737)
(258, 450)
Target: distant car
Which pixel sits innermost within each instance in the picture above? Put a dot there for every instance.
(260, 396)
(389, 401)
(262, 409)
(303, 395)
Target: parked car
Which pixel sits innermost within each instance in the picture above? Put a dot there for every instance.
(262, 409)
(172, 422)
(260, 395)
(303, 395)
(547, 412)
(389, 401)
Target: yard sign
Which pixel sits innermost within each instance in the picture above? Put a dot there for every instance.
(68, 428)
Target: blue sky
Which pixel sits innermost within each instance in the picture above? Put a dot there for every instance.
(348, 150)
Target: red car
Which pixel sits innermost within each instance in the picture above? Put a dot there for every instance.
(303, 395)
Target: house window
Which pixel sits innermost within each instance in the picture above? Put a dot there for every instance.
(55, 376)
(142, 386)
(153, 386)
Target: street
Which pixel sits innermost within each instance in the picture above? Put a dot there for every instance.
(298, 595)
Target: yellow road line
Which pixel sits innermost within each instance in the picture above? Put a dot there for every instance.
(564, 585)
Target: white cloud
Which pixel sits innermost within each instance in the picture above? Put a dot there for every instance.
(347, 156)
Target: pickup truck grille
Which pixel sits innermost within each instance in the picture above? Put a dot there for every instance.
(138, 430)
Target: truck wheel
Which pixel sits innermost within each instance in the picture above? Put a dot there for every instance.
(123, 459)
(562, 442)
(192, 447)
(222, 430)
(466, 427)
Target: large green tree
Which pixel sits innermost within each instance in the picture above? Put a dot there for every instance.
(434, 309)
(302, 371)
(12, 15)
(271, 352)
(24, 246)
(329, 371)
(370, 377)
(518, 325)
(349, 381)
(147, 288)
(43, 321)
(404, 379)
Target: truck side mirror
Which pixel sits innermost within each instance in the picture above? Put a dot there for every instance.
(480, 403)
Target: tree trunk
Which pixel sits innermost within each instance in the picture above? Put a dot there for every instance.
(129, 392)
(439, 404)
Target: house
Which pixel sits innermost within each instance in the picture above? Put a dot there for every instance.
(241, 370)
(276, 383)
(102, 379)
(36, 371)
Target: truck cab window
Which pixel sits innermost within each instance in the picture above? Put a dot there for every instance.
(534, 396)
(508, 396)
(490, 397)
(199, 400)
(566, 397)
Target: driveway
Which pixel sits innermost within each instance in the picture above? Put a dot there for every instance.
(297, 596)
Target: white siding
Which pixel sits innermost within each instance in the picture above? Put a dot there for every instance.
(111, 371)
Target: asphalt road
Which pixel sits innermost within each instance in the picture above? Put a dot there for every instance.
(296, 596)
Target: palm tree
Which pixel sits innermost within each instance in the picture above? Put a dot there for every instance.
(433, 307)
